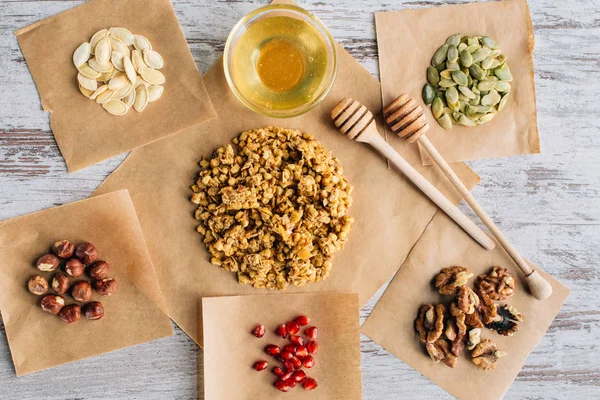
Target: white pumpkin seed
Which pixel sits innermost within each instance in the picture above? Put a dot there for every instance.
(141, 43)
(107, 76)
(117, 60)
(99, 91)
(101, 34)
(115, 107)
(118, 81)
(154, 93)
(87, 83)
(103, 51)
(120, 47)
(141, 98)
(129, 99)
(105, 96)
(87, 93)
(106, 67)
(124, 91)
(81, 54)
(153, 59)
(129, 70)
(152, 76)
(88, 71)
(122, 34)
(137, 59)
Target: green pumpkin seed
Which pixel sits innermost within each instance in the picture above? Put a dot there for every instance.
(466, 59)
(445, 122)
(446, 74)
(488, 42)
(476, 101)
(437, 107)
(440, 94)
(470, 110)
(440, 55)
(467, 92)
(446, 83)
(465, 121)
(487, 63)
(454, 106)
(495, 63)
(453, 40)
(481, 55)
(452, 95)
(460, 78)
(462, 46)
(503, 102)
(452, 65)
(457, 115)
(484, 109)
(452, 53)
(502, 58)
(473, 48)
(429, 94)
(495, 53)
(504, 74)
(472, 41)
(476, 72)
(433, 76)
(491, 99)
(486, 118)
(486, 86)
(502, 86)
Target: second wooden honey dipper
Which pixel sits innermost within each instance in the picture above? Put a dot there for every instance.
(356, 122)
(406, 119)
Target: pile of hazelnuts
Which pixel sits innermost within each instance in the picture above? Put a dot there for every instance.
(76, 260)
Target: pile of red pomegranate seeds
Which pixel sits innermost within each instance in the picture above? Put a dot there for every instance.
(293, 356)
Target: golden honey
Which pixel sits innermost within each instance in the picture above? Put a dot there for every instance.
(279, 63)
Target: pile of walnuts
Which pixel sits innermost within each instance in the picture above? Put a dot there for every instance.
(75, 258)
(447, 329)
(275, 210)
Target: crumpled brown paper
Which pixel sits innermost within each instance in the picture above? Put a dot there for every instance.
(84, 131)
(390, 213)
(391, 323)
(230, 349)
(134, 314)
(407, 40)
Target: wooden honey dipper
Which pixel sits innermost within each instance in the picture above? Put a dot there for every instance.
(406, 119)
(357, 123)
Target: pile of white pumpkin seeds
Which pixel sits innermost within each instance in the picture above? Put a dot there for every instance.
(468, 81)
(116, 76)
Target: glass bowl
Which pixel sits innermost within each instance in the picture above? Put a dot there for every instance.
(316, 58)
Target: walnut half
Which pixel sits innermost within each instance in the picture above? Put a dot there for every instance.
(506, 322)
(498, 284)
(441, 351)
(449, 280)
(486, 354)
(430, 322)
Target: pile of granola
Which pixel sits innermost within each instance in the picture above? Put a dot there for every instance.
(447, 329)
(273, 210)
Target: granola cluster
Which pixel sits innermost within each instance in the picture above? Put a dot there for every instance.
(447, 329)
(274, 210)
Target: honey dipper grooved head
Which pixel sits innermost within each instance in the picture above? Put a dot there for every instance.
(405, 118)
(351, 118)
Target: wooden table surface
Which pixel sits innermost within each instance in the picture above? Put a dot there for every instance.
(549, 204)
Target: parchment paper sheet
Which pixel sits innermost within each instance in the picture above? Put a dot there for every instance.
(84, 131)
(231, 349)
(390, 213)
(134, 314)
(391, 321)
(407, 40)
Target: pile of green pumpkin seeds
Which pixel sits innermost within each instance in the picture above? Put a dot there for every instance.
(468, 81)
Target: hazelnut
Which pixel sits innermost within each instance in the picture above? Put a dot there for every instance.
(93, 310)
(99, 270)
(105, 287)
(74, 267)
(61, 283)
(86, 252)
(52, 304)
(63, 249)
(47, 263)
(81, 291)
(38, 285)
(70, 313)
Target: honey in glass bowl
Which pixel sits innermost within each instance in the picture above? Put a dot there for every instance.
(280, 63)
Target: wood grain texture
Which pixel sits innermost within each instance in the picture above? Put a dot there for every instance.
(548, 205)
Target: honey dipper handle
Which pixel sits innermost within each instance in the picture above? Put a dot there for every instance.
(540, 288)
(429, 190)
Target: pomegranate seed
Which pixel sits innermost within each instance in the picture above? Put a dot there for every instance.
(282, 331)
(283, 386)
(313, 347)
(290, 348)
(259, 331)
(310, 384)
(291, 382)
(278, 371)
(301, 352)
(292, 328)
(287, 376)
(308, 362)
(260, 365)
(288, 366)
(297, 340)
(302, 320)
(272, 350)
(296, 363)
(311, 332)
(286, 355)
(299, 376)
